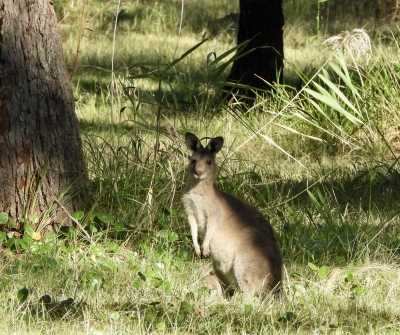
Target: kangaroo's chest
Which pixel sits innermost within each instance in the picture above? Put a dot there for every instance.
(199, 207)
(202, 205)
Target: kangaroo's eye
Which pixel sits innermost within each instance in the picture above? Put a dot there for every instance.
(193, 161)
(208, 162)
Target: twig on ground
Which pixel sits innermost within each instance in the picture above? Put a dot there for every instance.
(74, 220)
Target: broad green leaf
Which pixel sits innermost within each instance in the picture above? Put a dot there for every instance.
(93, 229)
(119, 227)
(313, 266)
(29, 229)
(185, 307)
(113, 246)
(34, 248)
(109, 262)
(173, 237)
(161, 326)
(3, 217)
(49, 236)
(22, 294)
(166, 285)
(149, 317)
(323, 272)
(360, 290)
(97, 249)
(248, 308)
(184, 254)
(79, 215)
(2, 236)
(23, 243)
(27, 238)
(50, 262)
(142, 276)
(347, 276)
(151, 274)
(104, 217)
(34, 218)
(10, 242)
(93, 278)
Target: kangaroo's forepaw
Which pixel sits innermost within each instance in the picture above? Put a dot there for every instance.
(206, 253)
(198, 252)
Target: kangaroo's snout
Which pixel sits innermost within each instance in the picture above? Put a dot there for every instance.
(201, 167)
(198, 173)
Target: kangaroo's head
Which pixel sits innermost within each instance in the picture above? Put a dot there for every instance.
(202, 162)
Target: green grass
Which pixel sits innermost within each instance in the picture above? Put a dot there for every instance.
(333, 202)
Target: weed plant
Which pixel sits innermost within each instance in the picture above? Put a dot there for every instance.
(318, 155)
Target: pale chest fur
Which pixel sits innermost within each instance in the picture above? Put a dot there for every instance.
(210, 215)
(199, 202)
(200, 199)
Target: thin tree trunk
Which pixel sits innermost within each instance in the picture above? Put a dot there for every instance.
(40, 148)
(262, 22)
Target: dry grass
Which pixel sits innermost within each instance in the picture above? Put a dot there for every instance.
(357, 42)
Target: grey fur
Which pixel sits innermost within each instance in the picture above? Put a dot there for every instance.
(239, 239)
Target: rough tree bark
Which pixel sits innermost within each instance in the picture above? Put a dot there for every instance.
(40, 148)
(262, 22)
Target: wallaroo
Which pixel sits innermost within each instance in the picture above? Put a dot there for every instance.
(241, 242)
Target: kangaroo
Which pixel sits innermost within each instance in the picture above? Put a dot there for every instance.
(241, 242)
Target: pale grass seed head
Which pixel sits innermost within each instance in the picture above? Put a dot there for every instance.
(357, 42)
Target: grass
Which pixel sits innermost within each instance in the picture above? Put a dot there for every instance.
(333, 202)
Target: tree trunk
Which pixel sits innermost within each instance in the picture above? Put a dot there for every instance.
(41, 154)
(262, 22)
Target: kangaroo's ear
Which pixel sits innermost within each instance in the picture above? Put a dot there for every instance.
(215, 144)
(192, 142)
